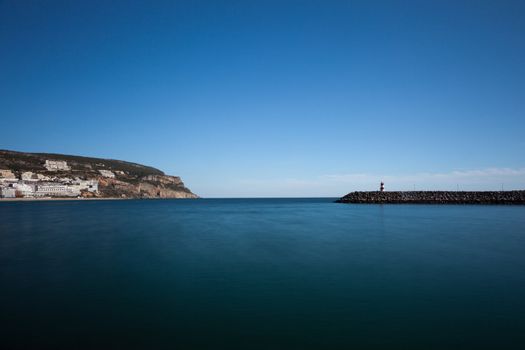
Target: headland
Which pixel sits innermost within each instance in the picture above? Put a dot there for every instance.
(43, 176)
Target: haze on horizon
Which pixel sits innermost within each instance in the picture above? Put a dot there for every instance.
(273, 98)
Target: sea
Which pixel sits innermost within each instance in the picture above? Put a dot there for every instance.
(260, 274)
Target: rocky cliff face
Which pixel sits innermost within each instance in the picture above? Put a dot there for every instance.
(116, 178)
(160, 186)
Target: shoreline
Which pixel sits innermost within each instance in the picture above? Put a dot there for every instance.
(58, 199)
(44, 199)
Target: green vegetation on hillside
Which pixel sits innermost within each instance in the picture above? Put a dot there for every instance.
(21, 161)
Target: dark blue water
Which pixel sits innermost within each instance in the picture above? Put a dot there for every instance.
(260, 274)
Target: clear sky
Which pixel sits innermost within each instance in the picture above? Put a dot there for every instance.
(273, 98)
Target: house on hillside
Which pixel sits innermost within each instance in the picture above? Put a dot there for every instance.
(56, 165)
(107, 173)
(7, 175)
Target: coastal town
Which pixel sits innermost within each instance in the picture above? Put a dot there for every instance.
(54, 184)
(44, 175)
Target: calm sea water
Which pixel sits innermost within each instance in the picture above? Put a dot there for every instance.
(260, 274)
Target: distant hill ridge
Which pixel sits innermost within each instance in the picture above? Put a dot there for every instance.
(24, 161)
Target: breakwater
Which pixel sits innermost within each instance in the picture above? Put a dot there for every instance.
(435, 197)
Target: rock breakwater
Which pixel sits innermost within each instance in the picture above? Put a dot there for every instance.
(435, 197)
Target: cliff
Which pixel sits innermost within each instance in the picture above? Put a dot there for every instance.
(436, 197)
(115, 178)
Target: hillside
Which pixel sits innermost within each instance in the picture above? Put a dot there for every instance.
(116, 178)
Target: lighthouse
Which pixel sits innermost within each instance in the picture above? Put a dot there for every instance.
(382, 187)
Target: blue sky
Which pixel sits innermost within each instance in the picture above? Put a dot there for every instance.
(273, 98)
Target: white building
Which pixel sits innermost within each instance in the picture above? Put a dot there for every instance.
(29, 176)
(33, 177)
(43, 177)
(85, 185)
(107, 173)
(56, 190)
(23, 189)
(90, 185)
(55, 165)
(7, 175)
(7, 192)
